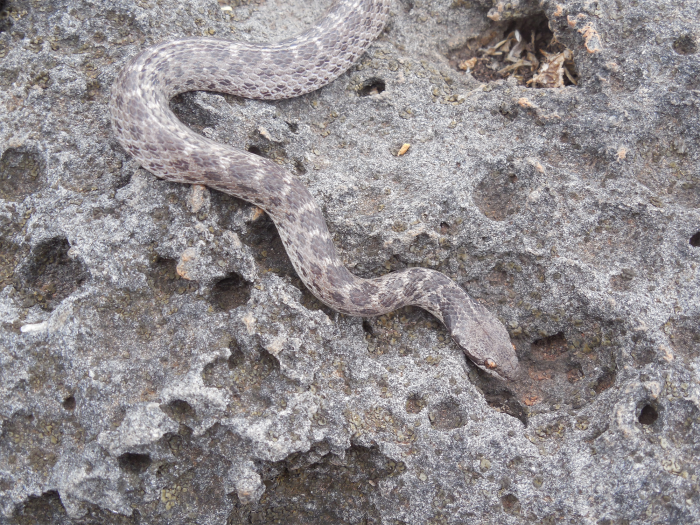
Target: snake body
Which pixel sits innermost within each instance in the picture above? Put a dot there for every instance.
(147, 129)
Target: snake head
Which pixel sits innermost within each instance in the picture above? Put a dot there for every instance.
(485, 341)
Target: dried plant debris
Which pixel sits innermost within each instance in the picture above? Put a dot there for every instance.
(527, 51)
(555, 70)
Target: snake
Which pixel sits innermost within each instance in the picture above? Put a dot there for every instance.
(148, 130)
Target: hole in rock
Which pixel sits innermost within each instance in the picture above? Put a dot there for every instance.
(69, 403)
(267, 363)
(163, 277)
(255, 150)
(182, 407)
(511, 504)
(550, 347)
(268, 249)
(237, 357)
(447, 415)
(53, 274)
(372, 86)
(231, 292)
(179, 410)
(685, 45)
(575, 373)
(293, 126)
(648, 415)
(605, 381)
(444, 227)
(310, 301)
(267, 148)
(367, 327)
(299, 166)
(504, 401)
(188, 110)
(524, 49)
(319, 487)
(46, 508)
(695, 240)
(134, 463)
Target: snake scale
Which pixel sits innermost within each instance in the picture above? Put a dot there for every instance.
(147, 129)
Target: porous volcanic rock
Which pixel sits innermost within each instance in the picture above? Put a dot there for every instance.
(161, 362)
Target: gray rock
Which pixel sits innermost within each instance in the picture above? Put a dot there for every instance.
(161, 362)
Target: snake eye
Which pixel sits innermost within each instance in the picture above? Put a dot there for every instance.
(490, 363)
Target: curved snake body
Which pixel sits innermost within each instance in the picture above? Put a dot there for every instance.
(146, 128)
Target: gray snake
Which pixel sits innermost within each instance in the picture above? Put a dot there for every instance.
(147, 129)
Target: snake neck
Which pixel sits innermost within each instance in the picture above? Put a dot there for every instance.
(334, 285)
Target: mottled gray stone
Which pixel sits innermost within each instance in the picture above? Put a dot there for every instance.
(129, 394)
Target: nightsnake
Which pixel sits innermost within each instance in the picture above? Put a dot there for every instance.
(147, 129)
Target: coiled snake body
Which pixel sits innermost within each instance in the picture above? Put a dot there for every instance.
(146, 128)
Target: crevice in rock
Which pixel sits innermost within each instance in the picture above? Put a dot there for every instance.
(263, 146)
(605, 381)
(46, 508)
(237, 356)
(511, 504)
(564, 368)
(252, 378)
(320, 487)
(447, 415)
(648, 415)
(196, 117)
(51, 275)
(134, 463)
(550, 347)
(164, 279)
(504, 401)
(270, 362)
(299, 167)
(180, 410)
(231, 292)
(255, 151)
(264, 239)
(69, 403)
(372, 86)
(524, 49)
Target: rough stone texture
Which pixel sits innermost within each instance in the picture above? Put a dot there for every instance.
(160, 362)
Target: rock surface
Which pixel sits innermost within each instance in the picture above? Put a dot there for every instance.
(162, 363)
